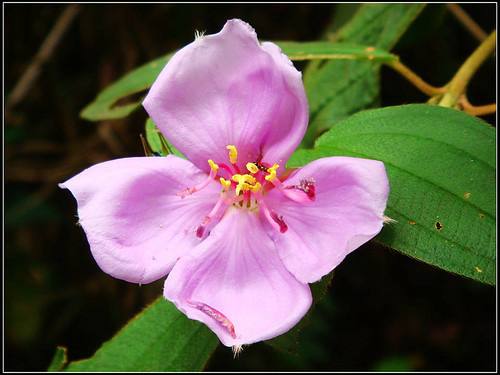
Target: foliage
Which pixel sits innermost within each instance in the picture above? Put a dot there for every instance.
(443, 215)
(440, 158)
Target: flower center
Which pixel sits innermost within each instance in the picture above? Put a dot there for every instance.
(247, 190)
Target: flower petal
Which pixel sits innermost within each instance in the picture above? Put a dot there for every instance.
(225, 89)
(235, 283)
(135, 224)
(351, 196)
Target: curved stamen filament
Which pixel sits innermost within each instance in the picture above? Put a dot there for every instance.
(229, 201)
(302, 192)
(215, 209)
(226, 168)
(276, 221)
(223, 199)
(213, 172)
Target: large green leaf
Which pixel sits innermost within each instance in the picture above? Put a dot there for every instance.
(441, 165)
(379, 24)
(327, 50)
(161, 338)
(106, 105)
(337, 89)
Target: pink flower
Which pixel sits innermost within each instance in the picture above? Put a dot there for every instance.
(239, 236)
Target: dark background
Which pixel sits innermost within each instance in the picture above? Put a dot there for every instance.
(382, 311)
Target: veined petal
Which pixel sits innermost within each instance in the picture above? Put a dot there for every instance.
(289, 129)
(236, 284)
(351, 196)
(136, 225)
(227, 89)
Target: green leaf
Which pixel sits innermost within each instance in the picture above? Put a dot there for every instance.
(161, 338)
(155, 139)
(337, 89)
(326, 50)
(380, 25)
(59, 361)
(106, 106)
(442, 171)
(159, 145)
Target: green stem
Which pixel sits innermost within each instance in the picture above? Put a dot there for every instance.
(418, 82)
(477, 110)
(456, 87)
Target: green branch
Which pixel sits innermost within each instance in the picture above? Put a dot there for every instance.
(418, 82)
(455, 89)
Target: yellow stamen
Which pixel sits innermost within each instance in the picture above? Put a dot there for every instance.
(214, 166)
(241, 187)
(271, 177)
(273, 168)
(252, 168)
(233, 154)
(255, 188)
(225, 184)
(272, 173)
(243, 178)
(245, 182)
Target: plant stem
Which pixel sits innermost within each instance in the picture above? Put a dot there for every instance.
(456, 87)
(418, 82)
(43, 54)
(477, 110)
(467, 22)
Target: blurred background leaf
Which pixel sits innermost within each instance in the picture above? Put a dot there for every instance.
(339, 88)
(380, 304)
(106, 105)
